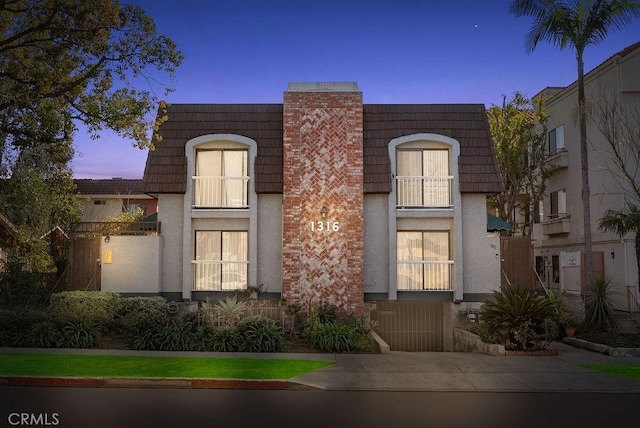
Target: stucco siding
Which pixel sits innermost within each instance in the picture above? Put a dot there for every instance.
(376, 245)
(481, 253)
(270, 243)
(131, 264)
(170, 215)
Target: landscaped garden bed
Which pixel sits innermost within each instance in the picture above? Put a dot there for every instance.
(104, 320)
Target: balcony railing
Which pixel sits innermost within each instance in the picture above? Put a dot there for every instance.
(424, 192)
(220, 192)
(117, 228)
(216, 275)
(428, 275)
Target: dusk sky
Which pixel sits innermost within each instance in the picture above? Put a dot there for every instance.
(398, 51)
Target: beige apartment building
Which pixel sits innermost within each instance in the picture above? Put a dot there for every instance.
(558, 238)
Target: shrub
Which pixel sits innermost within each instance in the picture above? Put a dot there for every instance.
(134, 314)
(78, 334)
(334, 337)
(43, 334)
(19, 288)
(226, 339)
(96, 307)
(599, 307)
(516, 318)
(260, 334)
(172, 336)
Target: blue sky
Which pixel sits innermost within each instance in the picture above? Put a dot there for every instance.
(398, 51)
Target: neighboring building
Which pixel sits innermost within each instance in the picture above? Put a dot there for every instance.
(559, 236)
(106, 199)
(325, 199)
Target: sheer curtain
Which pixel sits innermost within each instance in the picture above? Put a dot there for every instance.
(234, 187)
(409, 257)
(207, 192)
(436, 187)
(409, 189)
(234, 273)
(207, 272)
(221, 260)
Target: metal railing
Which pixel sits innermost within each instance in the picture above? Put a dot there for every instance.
(428, 275)
(426, 192)
(216, 275)
(117, 228)
(220, 192)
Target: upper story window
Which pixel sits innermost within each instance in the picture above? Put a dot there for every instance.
(221, 179)
(556, 140)
(423, 178)
(558, 204)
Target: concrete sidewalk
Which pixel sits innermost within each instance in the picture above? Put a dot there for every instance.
(402, 371)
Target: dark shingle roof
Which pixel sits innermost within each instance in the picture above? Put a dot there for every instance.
(166, 169)
(466, 123)
(166, 172)
(113, 186)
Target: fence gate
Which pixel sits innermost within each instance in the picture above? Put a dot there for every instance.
(85, 263)
(516, 261)
(409, 326)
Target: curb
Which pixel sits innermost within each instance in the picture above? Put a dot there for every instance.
(75, 382)
(603, 349)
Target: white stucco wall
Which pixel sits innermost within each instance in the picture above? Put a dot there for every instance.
(376, 245)
(270, 243)
(134, 265)
(170, 209)
(481, 253)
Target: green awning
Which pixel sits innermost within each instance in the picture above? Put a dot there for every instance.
(495, 224)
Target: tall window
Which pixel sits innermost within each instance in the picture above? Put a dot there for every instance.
(556, 140)
(220, 261)
(558, 204)
(424, 261)
(221, 179)
(423, 178)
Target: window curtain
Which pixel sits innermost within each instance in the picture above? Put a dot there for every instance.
(221, 260)
(409, 256)
(208, 186)
(436, 185)
(207, 275)
(409, 189)
(234, 275)
(234, 186)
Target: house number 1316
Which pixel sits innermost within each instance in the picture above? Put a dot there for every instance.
(321, 226)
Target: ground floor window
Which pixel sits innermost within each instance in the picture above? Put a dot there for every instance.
(424, 260)
(221, 260)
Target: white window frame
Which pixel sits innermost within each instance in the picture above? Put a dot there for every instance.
(435, 272)
(219, 267)
(556, 139)
(421, 190)
(561, 204)
(216, 191)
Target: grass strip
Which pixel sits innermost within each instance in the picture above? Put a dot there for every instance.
(56, 365)
(631, 371)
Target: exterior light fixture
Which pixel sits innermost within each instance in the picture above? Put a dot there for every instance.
(107, 239)
(323, 212)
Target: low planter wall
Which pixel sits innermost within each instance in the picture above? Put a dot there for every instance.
(603, 349)
(465, 341)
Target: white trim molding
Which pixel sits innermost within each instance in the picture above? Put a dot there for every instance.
(427, 141)
(211, 141)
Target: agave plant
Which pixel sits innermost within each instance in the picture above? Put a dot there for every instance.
(230, 311)
(599, 307)
(515, 317)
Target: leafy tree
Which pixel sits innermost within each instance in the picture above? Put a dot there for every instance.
(622, 222)
(518, 128)
(577, 24)
(64, 62)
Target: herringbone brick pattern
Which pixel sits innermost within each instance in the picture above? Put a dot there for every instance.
(323, 257)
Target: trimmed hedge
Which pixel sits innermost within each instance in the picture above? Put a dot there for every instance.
(96, 307)
(138, 314)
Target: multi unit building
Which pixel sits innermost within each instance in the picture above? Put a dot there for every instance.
(558, 238)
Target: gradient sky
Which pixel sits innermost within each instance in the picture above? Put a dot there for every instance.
(398, 51)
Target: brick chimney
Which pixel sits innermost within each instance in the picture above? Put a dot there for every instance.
(323, 196)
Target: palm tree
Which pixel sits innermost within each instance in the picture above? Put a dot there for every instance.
(577, 24)
(622, 222)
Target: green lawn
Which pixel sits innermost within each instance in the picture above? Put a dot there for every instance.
(625, 370)
(45, 365)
